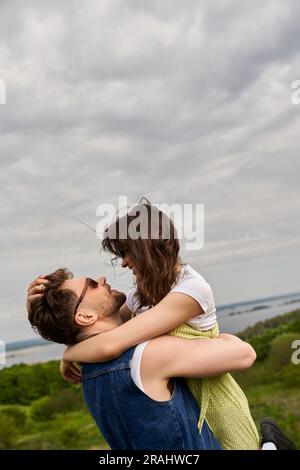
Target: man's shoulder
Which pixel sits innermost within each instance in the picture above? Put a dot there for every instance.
(92, 370)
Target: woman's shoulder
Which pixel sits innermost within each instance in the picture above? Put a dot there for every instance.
(192, 283)
(191, 280)
(189, 273)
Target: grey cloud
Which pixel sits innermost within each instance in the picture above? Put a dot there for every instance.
(180, 102)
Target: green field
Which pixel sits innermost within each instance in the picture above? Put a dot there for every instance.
(272, 385)
(38, 410)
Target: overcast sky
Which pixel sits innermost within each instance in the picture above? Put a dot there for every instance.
(179, 101)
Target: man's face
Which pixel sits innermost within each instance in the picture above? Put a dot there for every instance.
(99, 298)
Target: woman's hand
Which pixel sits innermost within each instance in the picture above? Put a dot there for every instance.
(70, 372)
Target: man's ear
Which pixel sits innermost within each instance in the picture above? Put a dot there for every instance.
(85, 318)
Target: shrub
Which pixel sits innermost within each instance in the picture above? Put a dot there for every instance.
(281, 351)
(17, 414)
(41, 410)
(21, 384)
(8, 432)
(290, 376)
(64, 401)
(70, 436)
(45, 441)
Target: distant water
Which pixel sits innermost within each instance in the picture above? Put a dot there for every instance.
(35, 354)
(235, 318)
(232, 319)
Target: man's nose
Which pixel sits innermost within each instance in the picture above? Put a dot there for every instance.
(101, 280)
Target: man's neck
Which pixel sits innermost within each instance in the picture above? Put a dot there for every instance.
(108, 323)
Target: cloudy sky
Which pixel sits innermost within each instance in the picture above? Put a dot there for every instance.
(179, 101)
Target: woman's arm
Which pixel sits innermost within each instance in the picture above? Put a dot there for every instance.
(178, 357)
(175, 309)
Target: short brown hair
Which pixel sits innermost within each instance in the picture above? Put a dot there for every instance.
(52, 315)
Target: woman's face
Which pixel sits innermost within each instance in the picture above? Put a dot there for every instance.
(128, 263)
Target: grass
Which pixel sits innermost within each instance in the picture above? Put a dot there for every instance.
(74, 431)
(272, 387)
(282, 405)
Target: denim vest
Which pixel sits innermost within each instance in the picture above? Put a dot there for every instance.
(130, 420)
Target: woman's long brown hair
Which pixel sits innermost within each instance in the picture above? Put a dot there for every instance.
(154, 253)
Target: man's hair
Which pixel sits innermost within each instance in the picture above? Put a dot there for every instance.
(52, 315)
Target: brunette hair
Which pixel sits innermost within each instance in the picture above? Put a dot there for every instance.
(154, 253)
(52, 315)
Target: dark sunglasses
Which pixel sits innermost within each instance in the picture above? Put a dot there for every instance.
(88, 283)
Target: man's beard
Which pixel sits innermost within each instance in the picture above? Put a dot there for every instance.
(116, 301)
(120, 299)
(108, 309)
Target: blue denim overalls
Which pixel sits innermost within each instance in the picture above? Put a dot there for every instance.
(130, 420)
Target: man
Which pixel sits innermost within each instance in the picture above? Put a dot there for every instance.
(134, 399)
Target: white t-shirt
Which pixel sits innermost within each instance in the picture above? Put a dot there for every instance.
(135, 365)
(191, 283)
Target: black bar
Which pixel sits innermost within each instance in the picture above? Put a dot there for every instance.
(135, 459)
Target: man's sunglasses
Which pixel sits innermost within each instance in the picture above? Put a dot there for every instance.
(88, 283)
